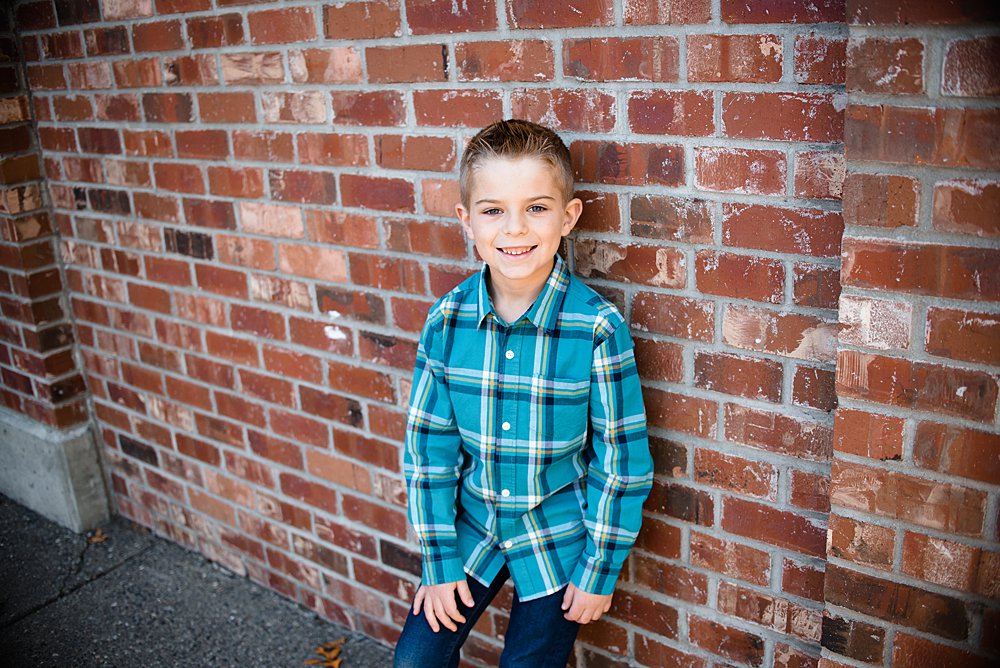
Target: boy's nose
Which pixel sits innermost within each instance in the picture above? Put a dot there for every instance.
(515, 224)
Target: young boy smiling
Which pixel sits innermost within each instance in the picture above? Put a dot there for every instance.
(526, 449)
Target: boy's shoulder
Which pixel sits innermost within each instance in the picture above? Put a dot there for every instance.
(583, 301)
(461, 298)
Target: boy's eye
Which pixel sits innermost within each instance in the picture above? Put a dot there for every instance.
(536, 208)
(492, 211)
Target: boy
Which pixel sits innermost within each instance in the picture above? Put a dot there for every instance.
(526, 449)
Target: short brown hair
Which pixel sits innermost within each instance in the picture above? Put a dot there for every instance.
(516, 138)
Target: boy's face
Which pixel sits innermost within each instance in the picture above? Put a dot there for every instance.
(517, 216)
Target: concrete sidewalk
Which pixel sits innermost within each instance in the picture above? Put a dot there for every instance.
(138, 600)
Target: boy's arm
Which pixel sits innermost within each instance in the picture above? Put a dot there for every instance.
(621, 472)
(432, 464)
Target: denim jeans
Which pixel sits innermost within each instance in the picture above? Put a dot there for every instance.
(538, 636)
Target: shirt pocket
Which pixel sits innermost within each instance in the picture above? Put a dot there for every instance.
(562, 413)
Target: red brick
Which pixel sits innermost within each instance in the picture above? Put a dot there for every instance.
(774, 526)
(967, 207)
(425, 238)
(945, 271)
(922, 386)
(205, 144)
(787, 11)
(680, 413)
(970, 67)
(730, 558)
(621, 58)
(72, 108)
(303, 187)
(157, 36)
(327, 264)
(413, 152)
(628, 164)
(467, 108)
(880, 200)
(950, 564)
(944, 136)
(209, 32)
(674, 316)
(803, 580)
(739, 58)
(233, 182)
(864, 543)
(337, 227)
(407, 64)
(652, 265)
(820, 59)
(92, 140)
(937, 505)
(963, 335)
(566, 110)
(740, 646)
(600, 212)
(789, 334)
(669, 579)
(812, 117)
(509, 60)
(649, 652)
(958, 451)
(227, 107)
(388, 521)
(745, 171)
(306, 107)
(740, 276)
(282, 26)
(735, 474)
(379, 108)
(919, 11)
(46, 77)
(912, 652)
(442, 16)
(252, 67)
(853, 638)
(118, 108)
(868, 435)
(814, 388)
(330, 66)
(810, 491)
(209, 213)
(675, 12)
(384, 194)
(263, 145)
(527, 14)
(819, 174)
(362, 20)
(897, 603)
(148, 143)
(671, 218)
(802, 231)
(885, 65)
(749, 377)
(775, 432)
(684, 113)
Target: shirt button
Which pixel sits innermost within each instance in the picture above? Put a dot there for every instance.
(509, 544)
(505, 426)
(510, 354)
(505, 492)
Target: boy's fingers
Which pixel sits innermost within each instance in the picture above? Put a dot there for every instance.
(465, 594)
(429, 614)
(417, 600)
(568, 597)
(442, 615)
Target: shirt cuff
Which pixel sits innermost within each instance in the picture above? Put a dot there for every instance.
(595, 577)
(442, 568)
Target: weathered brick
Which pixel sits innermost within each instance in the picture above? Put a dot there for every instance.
(967, 207)
(820, 59)
(748, 171)
(743, 58)
(621, 58)
(812, 117)
(885, 65)
(509, 60)
(526, 14)
(562, 110)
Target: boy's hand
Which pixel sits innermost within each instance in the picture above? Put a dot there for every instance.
(439, 604)
(583, 607)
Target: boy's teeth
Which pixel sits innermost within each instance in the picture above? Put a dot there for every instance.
(517, 251)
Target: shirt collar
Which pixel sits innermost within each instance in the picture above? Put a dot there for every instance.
(544, 312)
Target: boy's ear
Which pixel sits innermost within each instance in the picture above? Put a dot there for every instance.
(463, 216)
(574, 208)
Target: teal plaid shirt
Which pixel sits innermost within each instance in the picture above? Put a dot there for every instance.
(526, 443)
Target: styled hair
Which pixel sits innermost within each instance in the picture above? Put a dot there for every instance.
(515, 138)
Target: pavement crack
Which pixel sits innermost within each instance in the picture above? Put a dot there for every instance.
(64, 591)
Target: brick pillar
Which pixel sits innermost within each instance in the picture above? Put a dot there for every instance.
(913, 574)
(48, 454)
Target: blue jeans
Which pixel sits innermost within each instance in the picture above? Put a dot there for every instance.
(538, 636)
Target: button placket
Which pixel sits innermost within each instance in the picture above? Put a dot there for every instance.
(507, 410)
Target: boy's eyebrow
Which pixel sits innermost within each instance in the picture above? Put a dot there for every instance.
(487, 200)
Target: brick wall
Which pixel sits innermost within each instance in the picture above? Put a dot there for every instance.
(39, 376)
(913, 577)
(255, 202)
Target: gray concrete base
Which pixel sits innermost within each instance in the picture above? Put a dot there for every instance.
(54, 472)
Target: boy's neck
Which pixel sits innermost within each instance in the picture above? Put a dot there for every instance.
(512, 299)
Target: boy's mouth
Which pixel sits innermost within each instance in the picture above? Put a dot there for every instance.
(514, 251)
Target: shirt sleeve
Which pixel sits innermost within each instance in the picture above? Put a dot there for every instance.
(432, 464)
(620, 475)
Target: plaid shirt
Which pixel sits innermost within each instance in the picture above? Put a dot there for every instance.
(526, 443)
